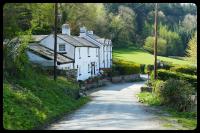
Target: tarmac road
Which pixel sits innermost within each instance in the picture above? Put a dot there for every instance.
(113, 107)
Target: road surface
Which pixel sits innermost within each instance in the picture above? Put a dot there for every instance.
(113, 107)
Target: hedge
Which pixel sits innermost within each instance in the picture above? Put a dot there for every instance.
(166, 65)
(192, 70)
(125, 68)
(166, 74)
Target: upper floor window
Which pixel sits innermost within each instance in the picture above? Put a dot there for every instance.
(88, 51)
(62, 48)
(79, 52)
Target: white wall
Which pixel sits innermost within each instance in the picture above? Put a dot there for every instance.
(84, 61)
(101, 58)
(49, 42)
(65, 66)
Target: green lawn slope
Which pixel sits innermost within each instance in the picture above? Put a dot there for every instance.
(140, 56)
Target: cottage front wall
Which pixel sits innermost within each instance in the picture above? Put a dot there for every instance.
(49, 42)
(82, 62)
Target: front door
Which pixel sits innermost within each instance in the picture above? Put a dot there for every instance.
(92, 68)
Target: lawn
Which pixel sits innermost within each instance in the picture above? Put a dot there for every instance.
(140, 56)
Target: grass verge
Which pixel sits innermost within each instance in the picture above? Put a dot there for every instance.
(35, 99)
(188, 120)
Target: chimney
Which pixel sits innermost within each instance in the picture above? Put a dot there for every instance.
(90, 32)
(83, 31)
(66, 29)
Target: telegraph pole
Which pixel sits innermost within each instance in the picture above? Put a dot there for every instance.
(155, 43)
(55, 41)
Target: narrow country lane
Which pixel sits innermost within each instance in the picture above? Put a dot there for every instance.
(113, 107)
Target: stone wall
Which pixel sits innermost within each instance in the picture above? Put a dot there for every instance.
(72, 73)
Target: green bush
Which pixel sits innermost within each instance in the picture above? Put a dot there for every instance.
(156, 87)
(150, 68)
(165, 75)
(192, 70)
(142, 68)
(125, 68)
(176, 94)
(166, 65)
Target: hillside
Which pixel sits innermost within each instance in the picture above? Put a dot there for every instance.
(34, 99)
(140, 56)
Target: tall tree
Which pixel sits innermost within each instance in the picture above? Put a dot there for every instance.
(192, 49)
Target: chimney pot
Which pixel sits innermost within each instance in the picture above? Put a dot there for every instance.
(90, 32)
(66, 29)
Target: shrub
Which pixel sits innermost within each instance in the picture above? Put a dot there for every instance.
(156, 87)
(165, 75)
(166, 65)
(192, 70)
(142, 68)
(176, 94)
(150, 68)
(107, 72)
(125, 68)
(146, 89)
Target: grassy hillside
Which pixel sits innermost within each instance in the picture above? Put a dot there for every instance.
(34, 99)
(142, 57)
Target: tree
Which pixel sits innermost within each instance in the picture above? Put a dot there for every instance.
(161, 45)
(42, 19)
(192, 49)
(174, 46)
(16, 19)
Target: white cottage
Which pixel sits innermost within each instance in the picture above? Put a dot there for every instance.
(79, 53)
(84, 53)
(104, 44)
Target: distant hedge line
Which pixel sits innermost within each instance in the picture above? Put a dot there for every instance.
(192, 70)
(121, 67)
(165, 75)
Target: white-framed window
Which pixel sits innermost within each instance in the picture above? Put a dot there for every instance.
(97, 52)
(88, 68)
(62, 47)
(88, 51)
(79, 70)
(79, 53)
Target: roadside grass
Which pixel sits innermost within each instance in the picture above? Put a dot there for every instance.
(148, 98)
(188, 120)
(32, 101)
(140, 56)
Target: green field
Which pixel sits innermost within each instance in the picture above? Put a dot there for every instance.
(142, 57)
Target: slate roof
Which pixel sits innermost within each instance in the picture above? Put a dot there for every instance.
(85, 42)
(70, 40)
(37, 38)
(95, 36)
(48, 53)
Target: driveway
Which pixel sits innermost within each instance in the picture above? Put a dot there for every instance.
(113, 107)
